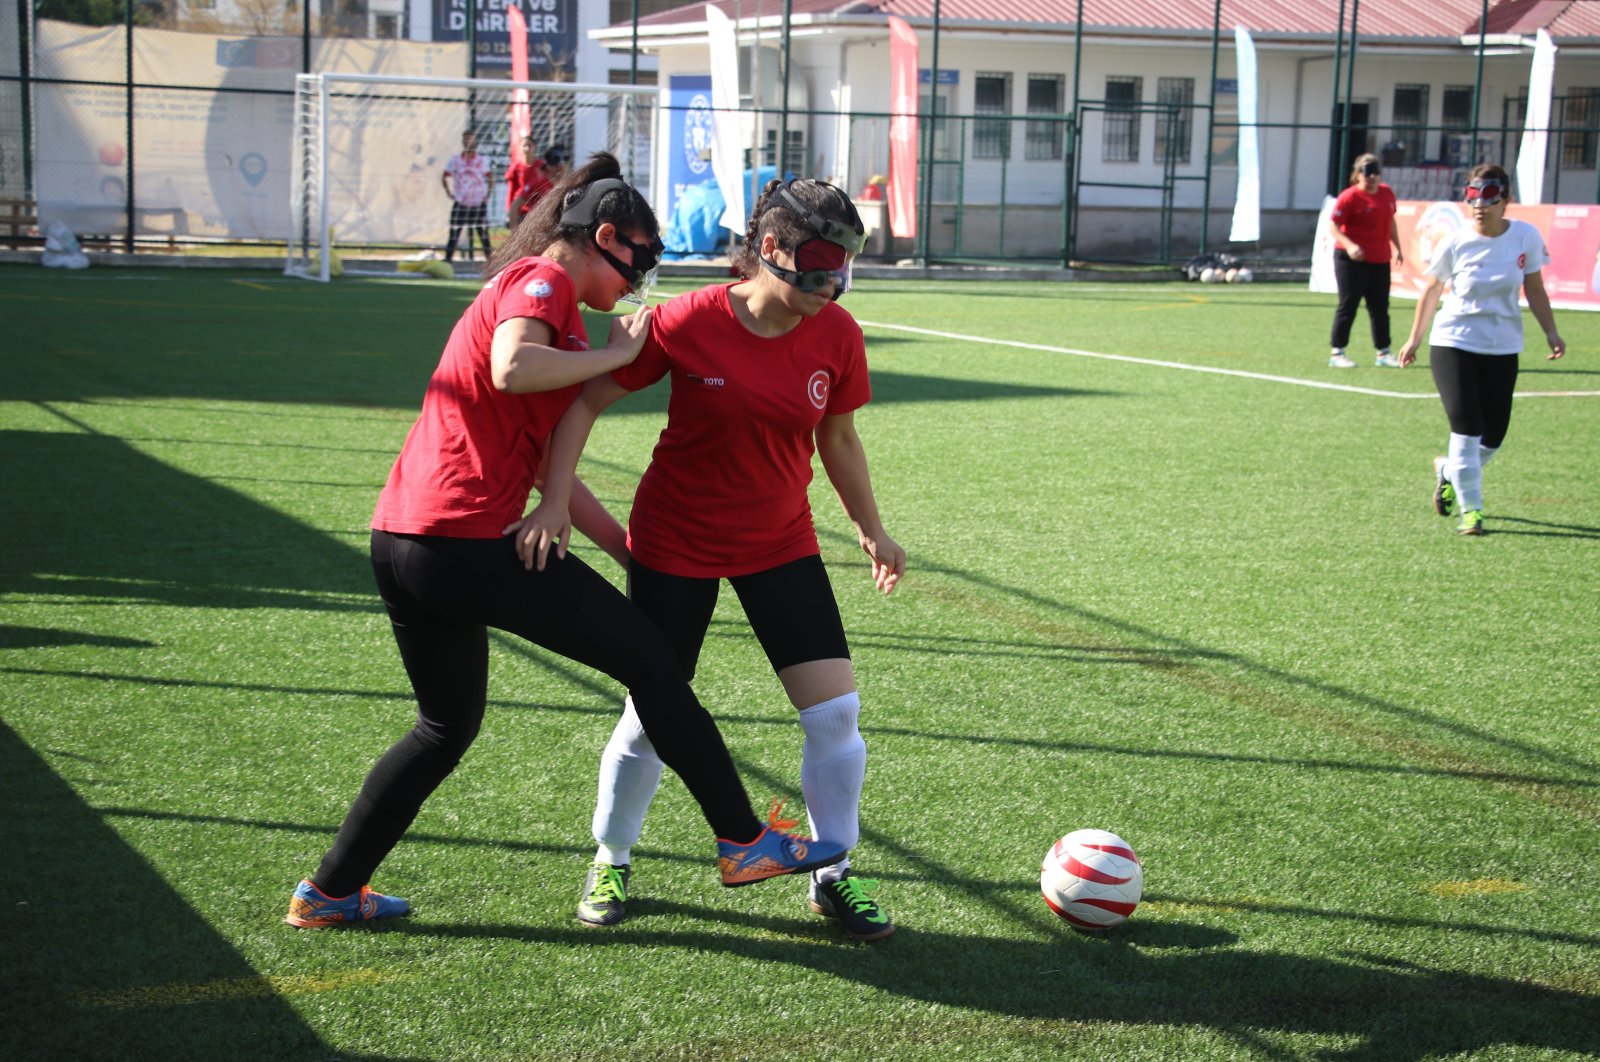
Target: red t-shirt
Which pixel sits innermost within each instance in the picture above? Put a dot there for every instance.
(467, 466)
(725, 493)
(1366, 219)
(526, 184)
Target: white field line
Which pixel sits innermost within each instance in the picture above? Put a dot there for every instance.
(1319, 384)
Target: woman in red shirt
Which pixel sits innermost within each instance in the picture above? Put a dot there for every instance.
(444, 546)
(527, 181)
(1363, 226)
(765, 371)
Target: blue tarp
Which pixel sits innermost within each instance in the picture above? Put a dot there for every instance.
(695, 225)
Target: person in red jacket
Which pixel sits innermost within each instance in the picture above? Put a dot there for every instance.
(444, 547)
(764, 372)
(526, 182)
(1363, 227)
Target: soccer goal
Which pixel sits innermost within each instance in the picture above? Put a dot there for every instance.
(369, 151)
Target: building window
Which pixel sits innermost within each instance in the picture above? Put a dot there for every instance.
(1410, 125)
(386, 27)
(1045, 136)
(1580, 114)
(1120, 141)
(1175, 128)
(991, 136)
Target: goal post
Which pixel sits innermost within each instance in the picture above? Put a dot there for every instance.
(370, 151)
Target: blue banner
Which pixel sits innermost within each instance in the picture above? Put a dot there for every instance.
(552, 34)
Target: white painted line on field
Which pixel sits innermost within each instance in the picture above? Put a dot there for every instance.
(1319, 384)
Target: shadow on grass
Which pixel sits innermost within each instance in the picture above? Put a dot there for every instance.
(1497, 527)
(168, 537)
(102, 956)
(1157, 973)
(41, 637)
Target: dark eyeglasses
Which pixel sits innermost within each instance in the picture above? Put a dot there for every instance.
(1486, 193)
(1371, 169)
(641, 275)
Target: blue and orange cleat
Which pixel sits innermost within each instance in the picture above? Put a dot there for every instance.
(774, 852)
(311, 908)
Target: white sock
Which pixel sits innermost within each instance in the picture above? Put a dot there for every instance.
(833, 766)
(1486, 454)
(630, 773)
(1338, 352)
(1464, 468)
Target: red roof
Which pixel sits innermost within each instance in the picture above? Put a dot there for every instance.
(1426, 19)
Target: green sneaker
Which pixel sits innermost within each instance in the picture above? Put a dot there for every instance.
(1471, 523)
(850, 900)
(1444, 492)
(605, 894)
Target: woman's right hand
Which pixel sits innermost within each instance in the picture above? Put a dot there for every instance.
(629, 332)
(1356, 253)
(546, 526)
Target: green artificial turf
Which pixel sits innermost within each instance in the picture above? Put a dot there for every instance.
(1212, 612)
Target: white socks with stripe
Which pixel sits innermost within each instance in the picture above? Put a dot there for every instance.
(1463, 467)
(630, 774)
(833, 766)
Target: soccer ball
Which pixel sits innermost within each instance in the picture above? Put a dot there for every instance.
(1208, 275)
(1092, 879)
(1245, 276)
(1232, 276)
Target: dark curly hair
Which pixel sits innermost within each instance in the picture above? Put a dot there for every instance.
(789, 229)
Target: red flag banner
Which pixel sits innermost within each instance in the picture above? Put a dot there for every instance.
(902, 193)
(517, 28)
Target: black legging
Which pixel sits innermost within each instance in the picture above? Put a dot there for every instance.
(1357, 281)
(1476, 390)
(442, 594)
(791, 609)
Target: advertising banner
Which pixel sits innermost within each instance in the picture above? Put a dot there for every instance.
(1247, 201)
(552, 33)
(1572, 279)
(902, 190)
(689, 136)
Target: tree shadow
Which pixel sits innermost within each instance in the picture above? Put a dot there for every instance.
(97, 944)
(177, 539)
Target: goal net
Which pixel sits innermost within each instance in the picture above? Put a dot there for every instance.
(369, 152)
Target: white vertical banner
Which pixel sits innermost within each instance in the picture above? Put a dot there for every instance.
(1536, 130)
(1322, 248)
(727, 142)
(1247, 203)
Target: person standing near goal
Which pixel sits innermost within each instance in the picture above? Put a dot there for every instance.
(445, 554)
(1477, 337)
(765, 371)
(527, 180)
(1364, 231)
(466, 182)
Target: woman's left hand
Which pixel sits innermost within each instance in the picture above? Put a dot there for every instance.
(1558, 346)
(542, 530)
(888, 561)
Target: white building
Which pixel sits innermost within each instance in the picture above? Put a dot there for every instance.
(1138, 82)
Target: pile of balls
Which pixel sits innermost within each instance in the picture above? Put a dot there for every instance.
(1240, 275)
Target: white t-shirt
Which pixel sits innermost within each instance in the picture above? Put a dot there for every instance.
(1480, 311)
(471, 178)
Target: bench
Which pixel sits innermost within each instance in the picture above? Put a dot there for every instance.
(19, 223)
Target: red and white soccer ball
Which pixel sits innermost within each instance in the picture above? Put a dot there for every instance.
(1092, 879)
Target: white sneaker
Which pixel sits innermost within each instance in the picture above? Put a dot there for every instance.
(1339, 361)
(1387, 361)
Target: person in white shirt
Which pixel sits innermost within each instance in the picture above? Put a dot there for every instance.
(466, 181)
(1476, 338)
